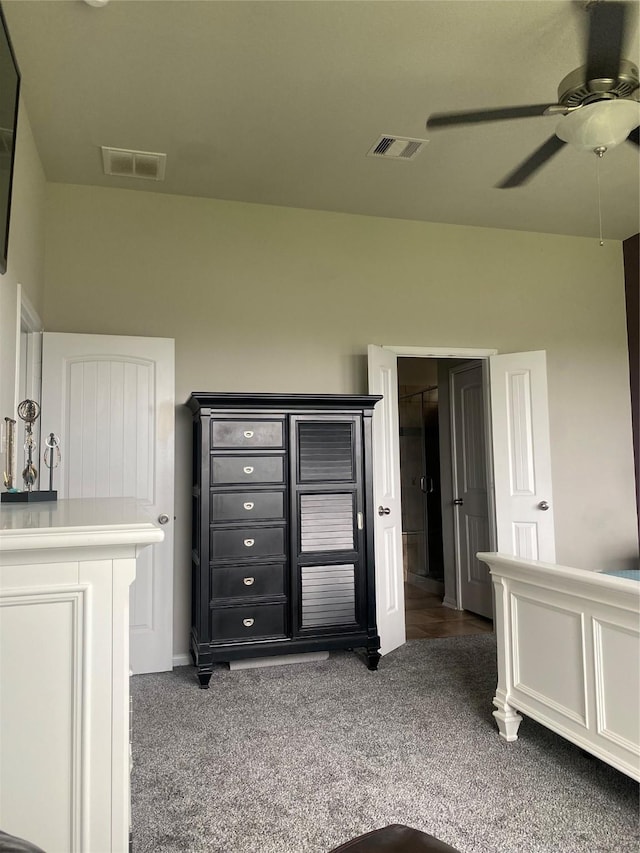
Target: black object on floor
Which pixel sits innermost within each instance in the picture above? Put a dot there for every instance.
(395, 839)
(13, 844)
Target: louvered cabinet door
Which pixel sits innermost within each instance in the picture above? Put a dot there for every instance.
(327, 522)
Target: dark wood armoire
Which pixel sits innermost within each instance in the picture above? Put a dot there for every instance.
(282, 541)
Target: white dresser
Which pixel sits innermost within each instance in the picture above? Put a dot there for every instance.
(65, 573)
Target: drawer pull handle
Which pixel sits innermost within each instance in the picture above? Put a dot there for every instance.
(247, 622)
(248, 505)
(248, 433)
(248, 469)
(249, 542)
(249, 581)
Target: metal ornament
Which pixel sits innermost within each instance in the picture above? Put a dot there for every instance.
(10, 433)
(52, 456)
(29, 412)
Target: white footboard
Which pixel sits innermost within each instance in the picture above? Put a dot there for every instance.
(569, 655)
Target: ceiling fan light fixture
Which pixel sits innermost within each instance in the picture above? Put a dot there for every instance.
(603, 124)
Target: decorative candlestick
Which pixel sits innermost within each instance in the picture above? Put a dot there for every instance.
(10, 430)
(29, 412)
(52, 456)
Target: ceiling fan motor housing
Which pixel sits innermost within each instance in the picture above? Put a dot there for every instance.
(576, 91)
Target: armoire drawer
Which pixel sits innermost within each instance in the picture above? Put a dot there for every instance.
(246, 542)
(248, 622)
(247, 581)
(229, 433)
(231, 470)
(246, 506)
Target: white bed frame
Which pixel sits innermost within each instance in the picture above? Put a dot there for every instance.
(569, 655)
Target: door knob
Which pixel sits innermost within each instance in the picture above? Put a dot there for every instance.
(543, 505)
(163, 519)
(384, 510)
(458, 502)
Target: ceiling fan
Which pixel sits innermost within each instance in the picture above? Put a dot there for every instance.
(596, 102)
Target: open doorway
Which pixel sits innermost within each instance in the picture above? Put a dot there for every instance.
(518, 458)
(445, 496)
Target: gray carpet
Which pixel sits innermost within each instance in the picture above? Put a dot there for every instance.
(296, 759)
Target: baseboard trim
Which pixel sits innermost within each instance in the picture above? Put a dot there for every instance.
(183, 659)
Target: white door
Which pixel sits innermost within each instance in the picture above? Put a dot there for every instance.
(521, 456)
(471, 506)
(110, 399)
(383, 379)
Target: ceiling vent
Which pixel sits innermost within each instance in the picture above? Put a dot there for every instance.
(133, 164)
(397, 147)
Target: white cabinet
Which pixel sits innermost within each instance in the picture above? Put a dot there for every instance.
(65, 572)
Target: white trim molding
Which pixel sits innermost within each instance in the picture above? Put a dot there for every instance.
(28, 317)
(66, 568)
(441, 352)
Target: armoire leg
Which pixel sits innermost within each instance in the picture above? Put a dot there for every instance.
(373, 657)
(204, 677)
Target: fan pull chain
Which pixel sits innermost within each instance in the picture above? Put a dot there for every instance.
(599, 152)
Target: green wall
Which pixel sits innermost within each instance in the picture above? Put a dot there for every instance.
(263, 298)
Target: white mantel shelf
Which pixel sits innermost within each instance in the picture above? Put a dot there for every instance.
(66, 568)
(74, 523)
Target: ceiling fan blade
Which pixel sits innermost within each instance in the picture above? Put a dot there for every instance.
(605, 39)
(477, 116)
(634, 136)
(531, 165)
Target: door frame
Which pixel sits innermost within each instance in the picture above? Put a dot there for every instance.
(28, 322)
(28, 365)
(483, 355)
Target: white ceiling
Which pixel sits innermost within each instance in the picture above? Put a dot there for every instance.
(279, 103)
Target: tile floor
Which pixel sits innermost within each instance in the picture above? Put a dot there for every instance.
(427, 618)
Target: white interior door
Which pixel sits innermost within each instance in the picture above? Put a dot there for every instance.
(521, 455)
(110, 399)
(383, 379)
(471, 505)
